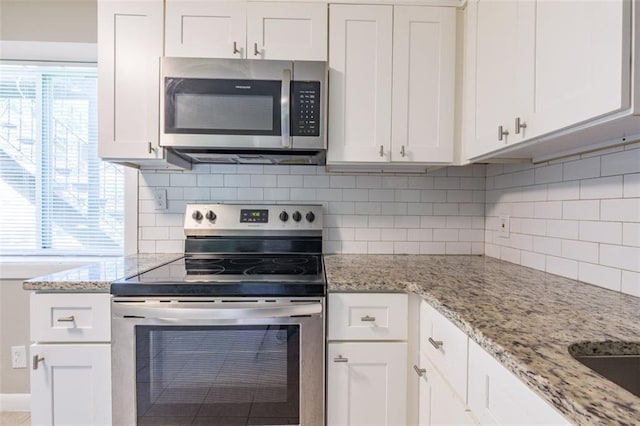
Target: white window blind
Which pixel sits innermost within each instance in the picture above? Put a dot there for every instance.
(56, 195)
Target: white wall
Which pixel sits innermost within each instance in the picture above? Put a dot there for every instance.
(578, 217)
(441, 213)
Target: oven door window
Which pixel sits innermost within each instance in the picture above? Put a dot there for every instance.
(222, 106)
(218, 375)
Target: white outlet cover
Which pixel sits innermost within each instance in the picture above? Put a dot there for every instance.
(503, 226)
(160, 199)
(18, 357)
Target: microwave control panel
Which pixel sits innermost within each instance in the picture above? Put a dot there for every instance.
(305, 111)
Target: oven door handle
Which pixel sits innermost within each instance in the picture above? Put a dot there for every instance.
(212, 311)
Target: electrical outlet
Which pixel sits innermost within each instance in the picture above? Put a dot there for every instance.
(160, 199)
(18, 357)
(503, 226)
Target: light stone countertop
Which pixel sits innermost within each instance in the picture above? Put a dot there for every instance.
(97, 276)
(525, 318)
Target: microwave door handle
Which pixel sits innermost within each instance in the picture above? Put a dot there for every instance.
(213, 312)
(285, 107)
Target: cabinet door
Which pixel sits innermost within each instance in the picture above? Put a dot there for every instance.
(360, 51)
(582, 62)
(496, 396)
(129, 51)
(366, 384)
(424, 43)
(439, 404)
(205, 29)
(71, 385)
(499, 47)
(287, 31)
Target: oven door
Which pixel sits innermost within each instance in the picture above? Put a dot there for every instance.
(213, 362)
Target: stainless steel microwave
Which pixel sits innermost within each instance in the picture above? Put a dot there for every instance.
(244, 111)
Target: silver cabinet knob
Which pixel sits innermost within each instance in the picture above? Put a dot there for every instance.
(502, 132)
(402, 153)
(340, 358)
(520, 125)
(235, 48)
(36, 360)
(381, 150)
(367, 318)
(436, 343)
(256, 52)
(419, 371)
(70, 318)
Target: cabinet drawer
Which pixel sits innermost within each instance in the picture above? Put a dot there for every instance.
(446, 347)
(70, 317)
(363, 316)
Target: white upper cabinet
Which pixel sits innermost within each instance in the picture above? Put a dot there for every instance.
(424, 55)
(129, 51)
(360, 72)
(539, 67)
(201, 29)
(130, 37)
(249, 30)
(392, 77)
(287, 31)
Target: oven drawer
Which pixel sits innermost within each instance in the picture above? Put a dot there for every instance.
(367, 316)
(70, 317)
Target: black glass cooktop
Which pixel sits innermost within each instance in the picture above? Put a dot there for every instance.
(230, 275)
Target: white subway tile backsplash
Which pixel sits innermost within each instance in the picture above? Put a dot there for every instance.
(406, 247)
(458, 248)
(407, 195)
(433, 196)
(533, 260)
(548, 174)
(264, 181)
(631, 283)
(580, 250)
(446, 183)
(342, 234)
(223, 194)
(395, 182)
(569, 229)
(458, 222)
(601, 276)
(420, 209)
(355, 194)
(460, 196)
(369, 182)
(381, 221)
(368, 208)
(300, 194)
(393, 234)
(546, 245)
(196, 193)
(625, 210)
(342, 181)
(355, 221)
(327, 194)
(432, 248)
(563, 267)
(623, 257)
(446, 235)
(420, 234)
(256, 194)
(510, 255)
(607, 187)
(601, 232)
(433, 222)
(548, 210)
(367, 234)
(345, 207)
(406, 221)
(631, 186)
(581, 210)
(316, 181)
(631, 234)
(209, 180)
(354, 247)
(380, 247)
(394, 208)
(624, 162)
(238, 181)
(582, 169)
(445, 209)
(424, 182)
(277, 194)
(385, 195)
(563, 191)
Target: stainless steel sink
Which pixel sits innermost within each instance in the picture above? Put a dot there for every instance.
(622, 368)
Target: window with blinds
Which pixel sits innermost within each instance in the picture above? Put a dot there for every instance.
(57, 197)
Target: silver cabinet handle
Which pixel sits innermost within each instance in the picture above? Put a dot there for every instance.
(502, 132)
(402, 153)
(367, 318)
(70, 318)
(381, 150)
(37, 359)
(520, 125)
(235, 48)
(419, 371)
(340, 358)
(256, 52)
(151, 148)
(436, 343)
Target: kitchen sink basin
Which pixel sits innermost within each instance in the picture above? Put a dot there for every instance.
(618, 362)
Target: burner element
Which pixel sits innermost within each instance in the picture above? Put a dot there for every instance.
(274, 269)
(291, 260)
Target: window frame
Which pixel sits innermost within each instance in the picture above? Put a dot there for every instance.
(55, 53)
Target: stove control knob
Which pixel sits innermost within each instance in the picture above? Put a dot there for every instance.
(297, 216)
(310, 217)
(284, 216)
(211, 216)
(197, 215)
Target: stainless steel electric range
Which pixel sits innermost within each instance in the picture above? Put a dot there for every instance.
(232, 333)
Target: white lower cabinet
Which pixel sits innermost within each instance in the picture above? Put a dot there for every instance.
(439, 403)
(71, 384)
(367, 359)
(498, 397)
(367, 384)
(70, 359)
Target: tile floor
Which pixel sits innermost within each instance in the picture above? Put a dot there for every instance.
(14, 418)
